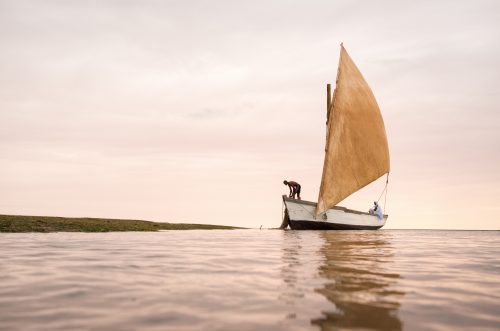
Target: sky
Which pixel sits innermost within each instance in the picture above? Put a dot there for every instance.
(196, 111)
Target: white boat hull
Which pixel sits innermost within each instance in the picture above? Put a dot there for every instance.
(299, 215)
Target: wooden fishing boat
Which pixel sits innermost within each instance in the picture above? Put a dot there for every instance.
(356, 154)
(299, 215)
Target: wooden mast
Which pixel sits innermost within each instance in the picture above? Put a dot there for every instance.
(328, 101)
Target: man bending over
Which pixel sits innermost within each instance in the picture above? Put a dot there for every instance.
(294, 189)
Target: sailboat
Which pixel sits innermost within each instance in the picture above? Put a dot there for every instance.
(356, 154)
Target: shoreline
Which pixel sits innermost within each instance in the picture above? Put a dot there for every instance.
(46, 224)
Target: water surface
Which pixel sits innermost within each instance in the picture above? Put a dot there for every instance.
(251, 280)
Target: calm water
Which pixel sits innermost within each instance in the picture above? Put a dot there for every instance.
(251, 280)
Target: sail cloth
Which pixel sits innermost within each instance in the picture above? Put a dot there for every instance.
(356, 150)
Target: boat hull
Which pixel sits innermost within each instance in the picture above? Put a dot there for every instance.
(299, 215)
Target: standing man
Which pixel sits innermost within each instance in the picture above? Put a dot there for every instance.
(294, 189)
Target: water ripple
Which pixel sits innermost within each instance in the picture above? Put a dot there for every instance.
(250, 280)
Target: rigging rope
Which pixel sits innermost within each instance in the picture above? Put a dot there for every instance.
(307, 211)
(384, 190)
(282, 209)
(385, 200)
(314, 217)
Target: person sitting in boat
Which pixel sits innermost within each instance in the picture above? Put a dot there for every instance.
(376, 210)
(294, 189)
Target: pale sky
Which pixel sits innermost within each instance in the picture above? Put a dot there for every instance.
(195, 111)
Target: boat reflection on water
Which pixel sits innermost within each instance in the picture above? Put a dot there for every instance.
(360, 282)
(299, 272)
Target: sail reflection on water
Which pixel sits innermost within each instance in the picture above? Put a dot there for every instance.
(359, 282)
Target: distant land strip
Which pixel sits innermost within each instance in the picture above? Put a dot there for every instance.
(18, 223)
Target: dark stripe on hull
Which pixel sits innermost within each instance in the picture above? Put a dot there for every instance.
(313, 225)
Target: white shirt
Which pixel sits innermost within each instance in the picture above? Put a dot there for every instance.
(379, 213)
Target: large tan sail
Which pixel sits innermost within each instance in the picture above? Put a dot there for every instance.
(356, 151)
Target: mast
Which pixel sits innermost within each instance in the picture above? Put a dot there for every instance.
(328, 101)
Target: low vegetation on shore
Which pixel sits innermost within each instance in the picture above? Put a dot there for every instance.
(17, 223)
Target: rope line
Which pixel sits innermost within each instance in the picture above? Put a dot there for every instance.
(283, 208)
(380, 196)
(384, 190)
(306, 210)
(385, 200)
